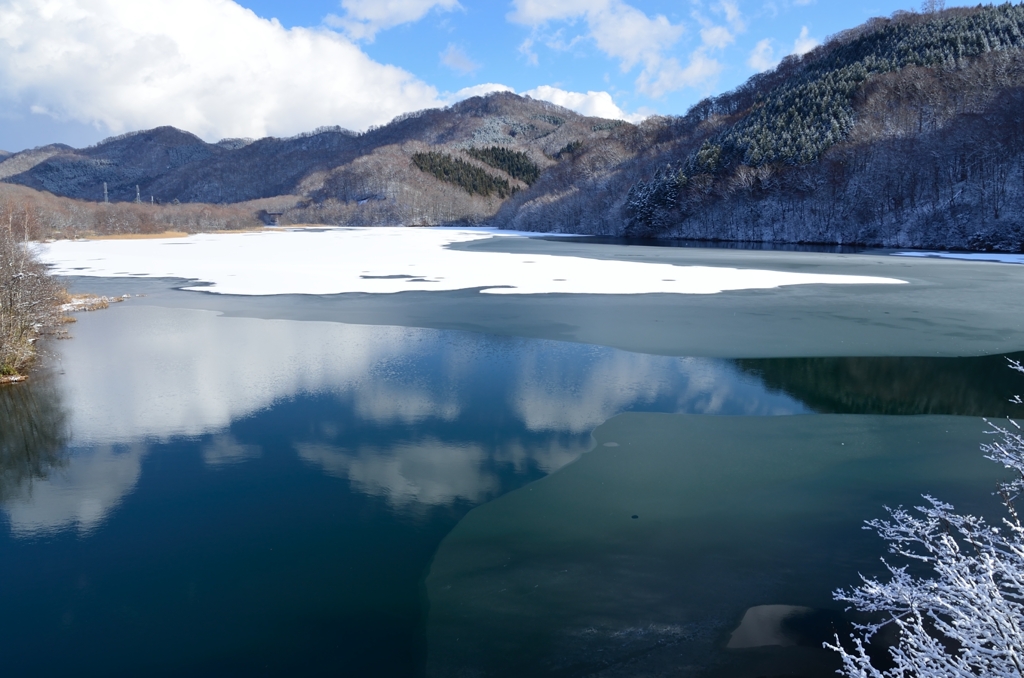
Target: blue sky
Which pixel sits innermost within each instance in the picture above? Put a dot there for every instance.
(76, 71)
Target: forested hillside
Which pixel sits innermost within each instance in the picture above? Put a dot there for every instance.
(907, 132)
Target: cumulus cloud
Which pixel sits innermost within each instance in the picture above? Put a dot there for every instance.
(476, 91)
(627, 34)
(716, 37)
(732, 13)
(597, 104)
(805, 43)
(672, 75)
(209, 66)
(634, 39)
(762, 57)
(363, 19)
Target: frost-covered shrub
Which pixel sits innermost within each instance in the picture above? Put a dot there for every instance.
(967, 618)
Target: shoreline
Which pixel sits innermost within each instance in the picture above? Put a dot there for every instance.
(76, 303)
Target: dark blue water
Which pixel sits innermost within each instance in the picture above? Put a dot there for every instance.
(189, 494)
(214, 515)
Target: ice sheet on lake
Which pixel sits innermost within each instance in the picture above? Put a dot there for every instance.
(655, 544)
(1000, 257)
(389, 260)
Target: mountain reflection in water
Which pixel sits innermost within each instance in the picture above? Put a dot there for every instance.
(975, 387)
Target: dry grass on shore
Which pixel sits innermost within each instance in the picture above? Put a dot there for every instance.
(137, 236)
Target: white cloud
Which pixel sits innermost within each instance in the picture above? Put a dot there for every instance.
(456, 59)
(672, 75)
(716, 37)
(762, 57)
(626, 33)
(732, 14)
(597, 104)
(526, 49)
(805, 43)
(535, 12)
(209, 66)
(630, 36)
(476, 91)
(365, 18)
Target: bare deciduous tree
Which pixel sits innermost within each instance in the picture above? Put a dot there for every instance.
(30, 302)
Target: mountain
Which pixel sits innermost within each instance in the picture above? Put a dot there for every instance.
(903, 132)
(328, 168)
(906, 131)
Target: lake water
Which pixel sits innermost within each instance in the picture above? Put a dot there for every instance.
(442, 486)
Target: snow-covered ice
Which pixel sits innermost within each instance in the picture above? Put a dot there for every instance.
(389, 260)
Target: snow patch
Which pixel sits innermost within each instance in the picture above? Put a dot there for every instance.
(390, 260)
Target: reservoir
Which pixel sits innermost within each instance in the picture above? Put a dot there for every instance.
(465, 482)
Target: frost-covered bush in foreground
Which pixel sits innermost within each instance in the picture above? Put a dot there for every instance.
(968, 619)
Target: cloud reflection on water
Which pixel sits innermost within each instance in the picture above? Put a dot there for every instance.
(81, 495)
(554, 393)
(430, 472)
(137, 375)
(148, 373)
(224, 450)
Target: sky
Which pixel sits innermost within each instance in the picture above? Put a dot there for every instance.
(78, 71)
